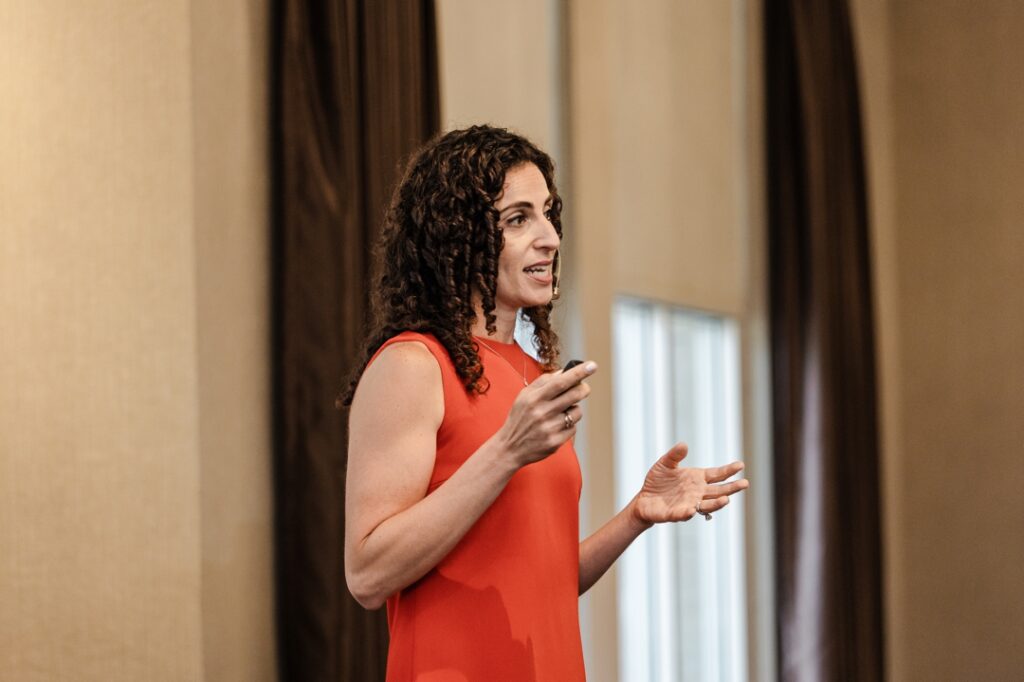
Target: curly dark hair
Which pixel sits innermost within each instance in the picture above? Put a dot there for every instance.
(441, 241)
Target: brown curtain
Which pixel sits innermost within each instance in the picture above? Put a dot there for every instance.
(354, 91)
(824, 397)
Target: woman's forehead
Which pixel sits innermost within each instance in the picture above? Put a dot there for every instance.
(524, 182)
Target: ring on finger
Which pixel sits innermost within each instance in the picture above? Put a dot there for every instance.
(706, 515)
(568, 420)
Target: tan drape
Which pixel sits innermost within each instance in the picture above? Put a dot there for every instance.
(354, 92)
(824, 386)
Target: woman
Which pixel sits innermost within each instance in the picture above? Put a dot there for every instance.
(463, 486)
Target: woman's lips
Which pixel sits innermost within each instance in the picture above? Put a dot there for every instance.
(542, 277)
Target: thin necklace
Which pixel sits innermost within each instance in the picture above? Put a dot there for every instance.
(521, 374)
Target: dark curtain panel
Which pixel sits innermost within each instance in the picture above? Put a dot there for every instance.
(354, 91)
(823, 359)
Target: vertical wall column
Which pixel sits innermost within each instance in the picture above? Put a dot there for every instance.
(133, 427)
(230, 112)
(592, 109)
(945, 160)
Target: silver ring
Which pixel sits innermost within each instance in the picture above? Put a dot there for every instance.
(706, 515)
(568, 420)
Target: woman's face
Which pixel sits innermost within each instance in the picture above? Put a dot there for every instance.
(524, 266)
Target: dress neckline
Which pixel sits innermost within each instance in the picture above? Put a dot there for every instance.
(496, 343)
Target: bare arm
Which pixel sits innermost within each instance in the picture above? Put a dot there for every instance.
(394, 532)
(599, 551)
(670, 493)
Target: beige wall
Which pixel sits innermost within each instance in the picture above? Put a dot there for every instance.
(944, 108)
(134, 488)
(230, 222)
(499, 64)
(673, 174)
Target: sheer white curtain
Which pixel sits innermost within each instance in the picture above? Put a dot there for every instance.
(681, 586)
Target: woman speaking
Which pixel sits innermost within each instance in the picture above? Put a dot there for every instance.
(463, 487)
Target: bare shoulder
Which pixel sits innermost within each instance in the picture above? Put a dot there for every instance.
(404, 380)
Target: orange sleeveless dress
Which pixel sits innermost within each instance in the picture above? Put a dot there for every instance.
(503, 604)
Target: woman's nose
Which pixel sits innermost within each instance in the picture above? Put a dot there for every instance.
(548, 239)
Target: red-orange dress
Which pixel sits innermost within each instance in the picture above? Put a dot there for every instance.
(503, 604)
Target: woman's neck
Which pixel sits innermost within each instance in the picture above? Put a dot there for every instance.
(505, 324)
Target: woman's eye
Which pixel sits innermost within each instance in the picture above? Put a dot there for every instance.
(549, 215)
(517, 219)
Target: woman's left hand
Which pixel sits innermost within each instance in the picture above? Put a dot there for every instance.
(671, 492)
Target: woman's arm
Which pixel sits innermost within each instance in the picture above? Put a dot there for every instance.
(394, 532)
(599, 551)
(669, 493)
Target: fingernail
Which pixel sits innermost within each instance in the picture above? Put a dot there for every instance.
(590, 367)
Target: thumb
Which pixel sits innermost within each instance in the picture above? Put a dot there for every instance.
(675, 455)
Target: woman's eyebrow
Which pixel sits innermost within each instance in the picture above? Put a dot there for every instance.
(524, 204)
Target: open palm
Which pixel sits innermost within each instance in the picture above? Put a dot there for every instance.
(672, 493)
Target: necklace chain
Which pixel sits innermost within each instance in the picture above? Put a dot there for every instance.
(521, 374)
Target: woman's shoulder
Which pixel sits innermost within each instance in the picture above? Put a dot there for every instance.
(420, 353)
(408, 360)
(409, 341)
(404, 362)
(402, 378)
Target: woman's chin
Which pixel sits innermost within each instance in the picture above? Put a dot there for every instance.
(530, 299)
(538, 301)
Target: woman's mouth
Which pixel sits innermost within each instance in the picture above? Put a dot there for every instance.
(539, 274)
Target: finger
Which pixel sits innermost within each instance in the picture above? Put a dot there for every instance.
(560, 382)
(558, 424)
(674, 456)
(730, 488)
(574, 395)
(575, 413)
(713, 505)
(716, 474)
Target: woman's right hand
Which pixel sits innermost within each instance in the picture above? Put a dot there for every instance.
(535, 426)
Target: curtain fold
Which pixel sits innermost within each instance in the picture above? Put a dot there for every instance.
(829, 547)
(354, 90)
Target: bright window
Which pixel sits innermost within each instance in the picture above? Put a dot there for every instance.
(680, 586)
